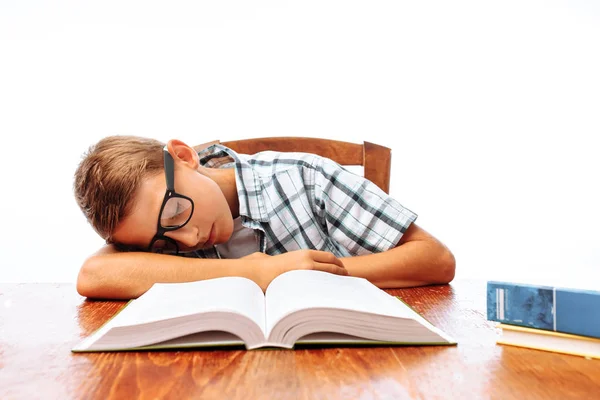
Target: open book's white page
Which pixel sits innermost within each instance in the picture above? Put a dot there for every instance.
(302, 289)
(166, 300)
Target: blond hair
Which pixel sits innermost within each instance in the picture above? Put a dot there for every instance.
(110, 174)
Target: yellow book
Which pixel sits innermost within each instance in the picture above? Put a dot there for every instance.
(549, 341)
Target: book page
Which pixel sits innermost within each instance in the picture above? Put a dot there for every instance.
(171, 300)
(200, 339)
(302, 289)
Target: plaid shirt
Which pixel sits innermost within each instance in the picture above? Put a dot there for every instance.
(303, 201)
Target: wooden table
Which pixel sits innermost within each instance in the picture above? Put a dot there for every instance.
(39, 323)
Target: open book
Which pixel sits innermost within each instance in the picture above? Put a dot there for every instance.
(299, 307)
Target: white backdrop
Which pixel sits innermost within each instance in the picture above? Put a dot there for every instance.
(491, 109)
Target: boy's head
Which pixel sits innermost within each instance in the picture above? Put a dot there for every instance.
(110, 174)
(120, 185)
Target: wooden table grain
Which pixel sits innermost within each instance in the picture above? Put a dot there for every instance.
(40, 323)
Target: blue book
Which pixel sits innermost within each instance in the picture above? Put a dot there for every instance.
(550, 308)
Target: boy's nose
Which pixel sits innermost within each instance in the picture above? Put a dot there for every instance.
(185, 237)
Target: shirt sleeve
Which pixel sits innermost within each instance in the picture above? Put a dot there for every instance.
(356, 213)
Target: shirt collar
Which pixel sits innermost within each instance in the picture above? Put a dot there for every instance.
(247, 180)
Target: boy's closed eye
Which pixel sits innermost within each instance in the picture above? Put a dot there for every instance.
(175, 212)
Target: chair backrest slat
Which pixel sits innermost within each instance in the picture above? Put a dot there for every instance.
(375, 159)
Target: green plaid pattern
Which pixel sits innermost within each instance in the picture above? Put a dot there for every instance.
(303, 201)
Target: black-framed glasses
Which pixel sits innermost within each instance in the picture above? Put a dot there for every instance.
(175, 211)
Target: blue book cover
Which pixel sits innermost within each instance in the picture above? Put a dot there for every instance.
(575, 311)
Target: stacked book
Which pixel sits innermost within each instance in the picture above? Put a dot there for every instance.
(549, 318)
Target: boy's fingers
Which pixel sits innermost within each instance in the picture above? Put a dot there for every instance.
(331, 268)
(326, 257)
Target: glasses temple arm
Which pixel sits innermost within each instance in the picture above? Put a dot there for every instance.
(169, 169)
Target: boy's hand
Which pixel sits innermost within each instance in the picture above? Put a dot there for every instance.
(269, 267)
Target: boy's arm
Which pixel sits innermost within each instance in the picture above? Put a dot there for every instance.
(362, 218)
(113, 274)
(418, 259)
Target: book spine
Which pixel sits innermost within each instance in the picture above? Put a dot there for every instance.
(544, 307)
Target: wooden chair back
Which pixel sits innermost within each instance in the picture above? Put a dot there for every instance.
(375, 159)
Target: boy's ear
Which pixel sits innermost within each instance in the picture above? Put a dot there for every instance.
(181, 152)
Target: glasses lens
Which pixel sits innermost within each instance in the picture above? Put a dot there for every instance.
(164, 246)
(176, 213)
